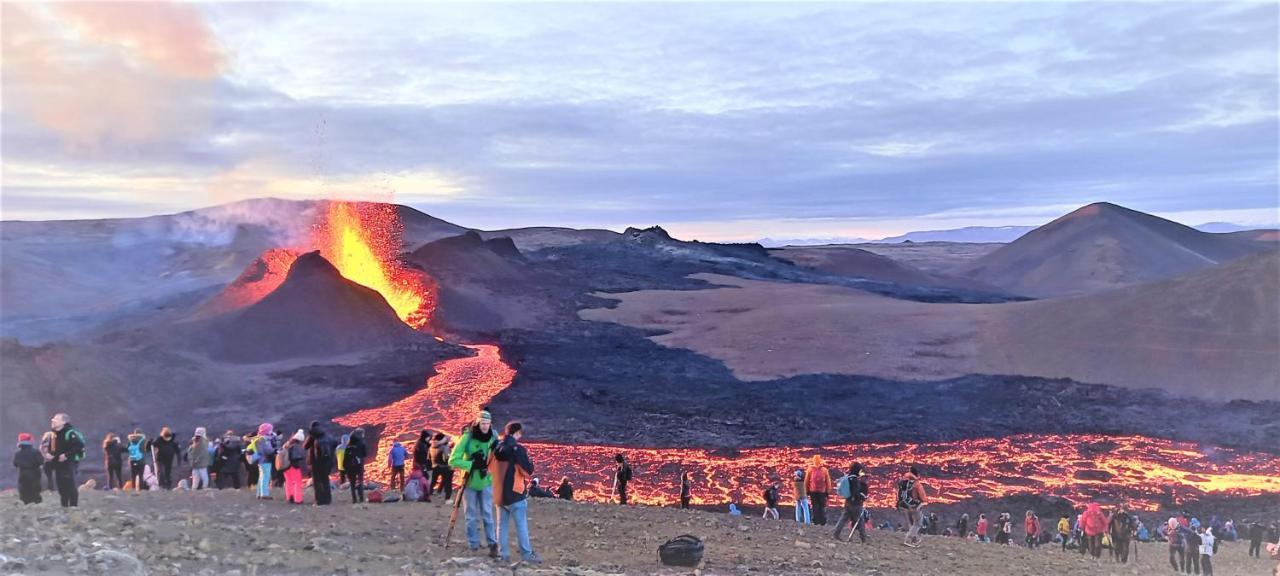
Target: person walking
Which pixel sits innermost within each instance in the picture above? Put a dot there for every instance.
(771, 501)
(511, 469)
(1120, 528)
(911, 497)
(113, 454)
(441, 473)
(29, 462)
(198, 456)
(686, 489)
(262, 453)
(291, 458)
(165, 454)
(818, 486)
(1064, 531)
(354, 457)
(471, 457)
(396, 457)
(802, 499)
(67, 450)
(320, 459)
(621, 477)
(1095, 525)
(854, 503)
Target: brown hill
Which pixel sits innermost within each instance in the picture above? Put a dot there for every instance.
(483, 286)
(260, 278)
(314, 312)
(843, 260)
(1103, 246)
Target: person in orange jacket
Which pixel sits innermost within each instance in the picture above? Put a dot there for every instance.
(911, 497)
(818, 485)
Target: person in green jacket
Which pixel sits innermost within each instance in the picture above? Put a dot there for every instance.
(471, 457)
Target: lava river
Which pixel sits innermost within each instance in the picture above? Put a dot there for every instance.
(1141, 470)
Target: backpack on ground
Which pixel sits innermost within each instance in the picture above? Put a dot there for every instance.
(685, 550)
(413, 491)
(844, 487)
(375, 497)
(907, 495)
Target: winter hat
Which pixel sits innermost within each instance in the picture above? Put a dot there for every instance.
(266, 429)
(799, 474)
(200, 432)
(484, 417)
(299, 435)
(24, 437)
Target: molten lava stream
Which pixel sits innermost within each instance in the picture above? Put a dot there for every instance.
(1078, 467)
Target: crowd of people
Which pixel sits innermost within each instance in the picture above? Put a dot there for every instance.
(497, 478)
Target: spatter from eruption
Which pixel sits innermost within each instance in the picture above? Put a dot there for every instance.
(1079, 467)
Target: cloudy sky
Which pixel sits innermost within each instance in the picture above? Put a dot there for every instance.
(716, 121)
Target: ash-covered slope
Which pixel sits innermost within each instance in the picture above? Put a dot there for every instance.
(859, 263)
(314, 312)
(482, 286)
(1103, 246)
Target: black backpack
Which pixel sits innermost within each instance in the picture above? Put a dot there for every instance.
(907, 495)
(625, 473)
(684, 550)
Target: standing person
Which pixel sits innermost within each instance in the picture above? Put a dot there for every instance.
(262, 453)
(46, 451)
(277, 475)
(1031, 526)
(198, 456)
(471, 457)
(292, 456)
(1004, 529)
(1173, 535)
(686, 489)
(1192, 553)
(29, 462)
(802, 499)
(771, 501)
(320, 460)
(818, 485)
(113, 459)
(565, 490)
(511, 467)
(911, 497)
(441, 473)
(1256, 530)
(228, 457)
(1120, 527)
(981, 529)
(962, 526)
(1094, 524)
(165, 453)
(249, 462)
(854, 503)
(1064, 531)
(67, 451)
(1207, 541)
(395, 461)
(354, 457)
(621, 476)
(137, 458)
(340, 455)
(422, 461)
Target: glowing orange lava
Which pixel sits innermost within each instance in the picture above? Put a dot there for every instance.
(362, 240)
(260, 278)
(1079, 467)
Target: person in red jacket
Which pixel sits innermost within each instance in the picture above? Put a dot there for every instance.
(1095, 523)
(818, 485)
(1031, 525)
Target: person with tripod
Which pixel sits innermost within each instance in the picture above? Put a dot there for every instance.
(471, 457)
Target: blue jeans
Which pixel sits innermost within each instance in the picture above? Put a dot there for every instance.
(520, 513)
(264, 479)
(479, 506)
(802, 510)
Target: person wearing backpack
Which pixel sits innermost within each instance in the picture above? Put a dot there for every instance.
(802, 498)
(320, 459)
(911, 496)
(67, 450)
(441, 473)
(137, 450)
(290, 460)
(353, 458)
(621, 476)
(1120, 527)
(29, 462)
(1064, 531)
(262, 453)
(511, 468)
(395, 461)
(198, 456)
(853, 488)
(818, 486)
(1094, 523)
(771, 501)
(113, 454)
(471, 457)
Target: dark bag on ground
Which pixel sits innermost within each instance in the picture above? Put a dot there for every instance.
(685, 550)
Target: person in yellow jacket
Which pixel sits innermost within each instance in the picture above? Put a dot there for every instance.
(1064, 531)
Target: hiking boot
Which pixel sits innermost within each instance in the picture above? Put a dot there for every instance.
(493, 551)
(532, 559)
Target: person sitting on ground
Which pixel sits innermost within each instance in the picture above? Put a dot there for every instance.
(510, 468)
(565, 490)
(113, 455)
(733, 510)
(29, 462)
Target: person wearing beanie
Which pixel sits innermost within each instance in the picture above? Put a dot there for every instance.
(512, 470)
(28, 460)
(165, 453)
(853, 505)
(320, 459)
(262, 454)
(294, 456)
(200, 459)
(802, 499)
(471, 457)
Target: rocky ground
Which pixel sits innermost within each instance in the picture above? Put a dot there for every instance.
(230, 533)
